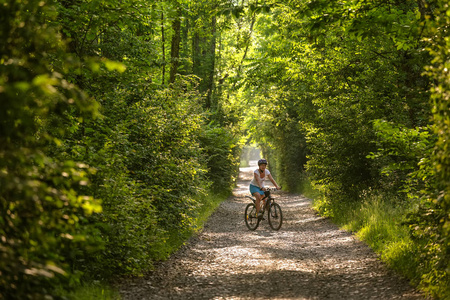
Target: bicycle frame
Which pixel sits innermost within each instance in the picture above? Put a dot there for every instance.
(267, 196)
(275, 215)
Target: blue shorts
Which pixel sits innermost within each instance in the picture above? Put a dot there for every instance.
(255, 189)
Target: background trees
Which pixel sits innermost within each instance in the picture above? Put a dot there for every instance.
(143, 107)
(340, 90)
(43, 203)
(432, 222)
(90, 116)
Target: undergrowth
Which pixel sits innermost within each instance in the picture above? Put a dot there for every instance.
(177, 239)
(92, 291)
(104, 291)
(379, 223)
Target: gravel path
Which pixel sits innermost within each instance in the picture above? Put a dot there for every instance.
(309, 258)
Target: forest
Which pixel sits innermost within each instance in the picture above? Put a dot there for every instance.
(123, 124)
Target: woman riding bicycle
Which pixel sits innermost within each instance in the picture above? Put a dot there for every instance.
(257, 184)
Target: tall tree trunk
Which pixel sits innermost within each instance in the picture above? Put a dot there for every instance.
(239, 70)
(185, 39)
(163, 38)
(212, 65)
(196, 54)
(203, 58)
(175, 48)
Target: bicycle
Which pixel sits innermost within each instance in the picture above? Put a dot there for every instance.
(274, 215)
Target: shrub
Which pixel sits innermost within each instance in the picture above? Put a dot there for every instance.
(43, 208)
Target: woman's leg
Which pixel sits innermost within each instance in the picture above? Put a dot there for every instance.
(258, 197)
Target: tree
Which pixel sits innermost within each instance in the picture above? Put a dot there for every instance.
(42, 199)
(175, 49)
(430, 224)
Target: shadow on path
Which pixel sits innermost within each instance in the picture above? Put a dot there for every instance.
(309, 258)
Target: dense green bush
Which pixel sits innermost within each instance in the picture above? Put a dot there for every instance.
(221, 150)
(150, 170)
(430, 224)
(43, 209)
(148, 157)
(353, 76)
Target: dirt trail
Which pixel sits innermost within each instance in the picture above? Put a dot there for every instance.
(309, 258)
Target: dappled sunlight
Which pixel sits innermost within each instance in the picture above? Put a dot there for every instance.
(295, 202)
(308, 258)
(307, 220)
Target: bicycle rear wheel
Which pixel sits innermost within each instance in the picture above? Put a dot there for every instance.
(275, 216)
(251, 220)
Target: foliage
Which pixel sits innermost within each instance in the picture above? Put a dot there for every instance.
(346, 77)
(43, 207)
(222, 152)
(430, 224)
(150, 172)
(327, 91)
(401, 156)
(95, 107)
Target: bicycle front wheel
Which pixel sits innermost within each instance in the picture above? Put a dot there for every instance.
(275, 216)
(251, 220)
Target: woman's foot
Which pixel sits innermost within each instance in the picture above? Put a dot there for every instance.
(261, 215)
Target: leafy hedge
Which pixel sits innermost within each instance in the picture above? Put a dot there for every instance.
(430, 225)
(100, 168)
(150, 175)
(354, 81)
(43, 206)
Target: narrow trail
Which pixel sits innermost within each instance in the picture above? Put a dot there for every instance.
(309, 258)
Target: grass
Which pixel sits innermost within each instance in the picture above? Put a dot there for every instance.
(379, 223)
(93, 291)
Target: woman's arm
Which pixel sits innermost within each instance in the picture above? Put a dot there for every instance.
(273, 181)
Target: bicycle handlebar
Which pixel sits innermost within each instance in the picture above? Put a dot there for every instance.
(272, 189)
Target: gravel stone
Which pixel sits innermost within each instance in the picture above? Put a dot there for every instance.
(308, 258)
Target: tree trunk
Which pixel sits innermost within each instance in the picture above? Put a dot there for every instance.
(196, 54)
(163, 39)
(212, 65)
(175, 48)
(239, 70)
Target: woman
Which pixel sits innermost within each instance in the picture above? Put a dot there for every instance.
(257, 184)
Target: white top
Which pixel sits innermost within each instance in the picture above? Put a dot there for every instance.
(254, 182)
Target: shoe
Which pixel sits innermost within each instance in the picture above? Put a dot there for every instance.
(261, 215)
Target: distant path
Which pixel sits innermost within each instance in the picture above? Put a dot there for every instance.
(309, 258)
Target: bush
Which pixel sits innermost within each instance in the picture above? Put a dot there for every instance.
(43, 207)
(221, 150)
(150, 173)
